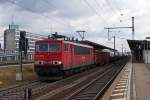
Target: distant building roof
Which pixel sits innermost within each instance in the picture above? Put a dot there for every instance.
(13, 26)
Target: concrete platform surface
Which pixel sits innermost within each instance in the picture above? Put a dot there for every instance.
(142, 80)
(119, 88)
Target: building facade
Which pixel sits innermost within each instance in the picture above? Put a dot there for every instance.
(11, 40)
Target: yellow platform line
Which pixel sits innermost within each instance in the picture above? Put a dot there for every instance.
(1, 82)
(117, 96)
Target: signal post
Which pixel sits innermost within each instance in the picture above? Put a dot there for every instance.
(23, 46)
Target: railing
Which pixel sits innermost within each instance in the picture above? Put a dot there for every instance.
(14, 58)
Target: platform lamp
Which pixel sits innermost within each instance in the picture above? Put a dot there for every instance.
(147, 46)
(144, 42)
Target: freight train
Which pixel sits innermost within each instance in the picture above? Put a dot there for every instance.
(55, 59)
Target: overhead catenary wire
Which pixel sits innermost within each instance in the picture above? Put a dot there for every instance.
(95, 11)
(102, 7)
(116, 9)
(53, 6)
(111, 7)
(30, 10)
(116, 6)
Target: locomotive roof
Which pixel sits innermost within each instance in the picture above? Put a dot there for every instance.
(70, 42)
(79, 44)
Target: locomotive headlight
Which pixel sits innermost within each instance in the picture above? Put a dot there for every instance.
(59, 62)
(39, 62)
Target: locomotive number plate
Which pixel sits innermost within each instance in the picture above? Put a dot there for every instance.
(40, 56)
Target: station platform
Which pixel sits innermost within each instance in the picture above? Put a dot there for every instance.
(133, 83)
(142, 80)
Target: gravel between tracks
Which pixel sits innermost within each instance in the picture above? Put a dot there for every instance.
(54, 90)
(17, 92)
(65, 91)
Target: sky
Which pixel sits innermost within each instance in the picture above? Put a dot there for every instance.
(68, 16)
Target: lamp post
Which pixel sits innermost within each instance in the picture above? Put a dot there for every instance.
(114, 45)
(122, 49)
(146, 50)
(147, 47)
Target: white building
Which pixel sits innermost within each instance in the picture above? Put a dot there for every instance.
(11, 40)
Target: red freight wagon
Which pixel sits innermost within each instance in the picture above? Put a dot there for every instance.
(101, 57)
(54, 58)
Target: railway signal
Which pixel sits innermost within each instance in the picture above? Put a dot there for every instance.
(23, 43)
(23, 46)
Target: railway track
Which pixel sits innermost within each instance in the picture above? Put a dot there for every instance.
(16, 92)
(64, 89)
(57, 87)
(82, 86)
(96, 88)
(66, 92)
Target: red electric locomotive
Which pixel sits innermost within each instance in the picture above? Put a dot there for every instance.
(54, 58)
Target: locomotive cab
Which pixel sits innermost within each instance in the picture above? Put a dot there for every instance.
(48, 57)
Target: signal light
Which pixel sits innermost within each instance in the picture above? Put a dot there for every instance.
(23, 42)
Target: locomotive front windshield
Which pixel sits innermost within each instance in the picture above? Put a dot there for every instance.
(53, 47)
(42, 47)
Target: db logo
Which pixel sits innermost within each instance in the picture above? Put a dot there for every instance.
(83, 57)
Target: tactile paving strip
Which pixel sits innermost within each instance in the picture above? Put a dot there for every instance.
(120, 91)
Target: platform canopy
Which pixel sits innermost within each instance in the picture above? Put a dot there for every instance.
(96, 45)
(139, 44)
(138, 48)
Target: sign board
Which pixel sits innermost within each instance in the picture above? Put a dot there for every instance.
(146, 56)
(18, 76)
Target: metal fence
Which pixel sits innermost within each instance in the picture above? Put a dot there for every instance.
(14, 58)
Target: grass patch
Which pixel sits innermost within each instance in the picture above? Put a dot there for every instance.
(8, 74)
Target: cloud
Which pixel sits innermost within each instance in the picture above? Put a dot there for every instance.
(68, 16)
(65, 8)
